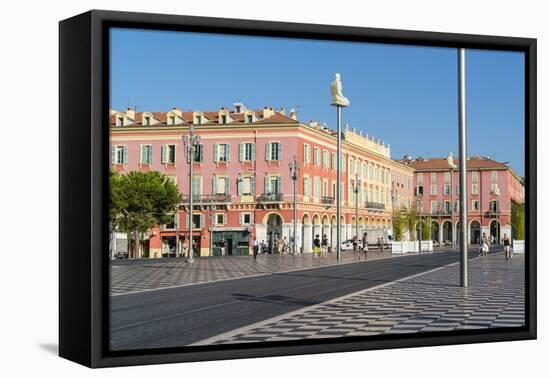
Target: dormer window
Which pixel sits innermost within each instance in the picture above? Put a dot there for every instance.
(223, 119)
(121, 121)
(147, 121)
(249, 118)
(198, 120)
(172, 120)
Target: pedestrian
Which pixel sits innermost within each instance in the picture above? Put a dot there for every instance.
(484, 246)
(316, 247)
(184, 248)
(222, 246)
(324, 246)
(365, 244)
(285, 245)
(507, 249)
(380, 244)
(354, 243)
(255, 248)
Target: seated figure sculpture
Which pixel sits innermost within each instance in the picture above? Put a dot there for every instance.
(338, 97)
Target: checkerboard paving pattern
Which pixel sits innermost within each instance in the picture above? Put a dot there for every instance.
(132, 277)
(432, 301)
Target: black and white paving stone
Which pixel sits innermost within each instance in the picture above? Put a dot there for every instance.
(430, 301)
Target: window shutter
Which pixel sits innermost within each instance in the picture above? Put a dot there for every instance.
(215, 152)
(228, 152)
(253, 158)
(124, 155)
(266, 184)
(201, 221)
(201, 152)
(113, 154)
(163, 154)
(239, 186)
(253, 185)
(150, 154)
(267, 151)
(279, 184)
(214, 186)
(227, 185)
(142, 153)
(279, 151)
(241, 152)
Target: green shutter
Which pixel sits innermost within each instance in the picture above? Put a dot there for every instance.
(163, 154)
(201, 152)
(150, 154)
(227, 185)
(241, 151)
(279, 151)
(113, 154)
(228, 152)
(267, 151)
(253, 151)
(253, 185)
(214, 186)
(215, 152)
(239, 186)
(124, 155)
(266, 184)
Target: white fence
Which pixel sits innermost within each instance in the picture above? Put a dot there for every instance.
(411, 246)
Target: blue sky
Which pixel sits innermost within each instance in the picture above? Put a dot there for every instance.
(404, 95)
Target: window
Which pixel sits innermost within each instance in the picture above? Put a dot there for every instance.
(220, 185)
(247, 152)
(199, 153)
(147, 121)
(245, 186)
(307, 186)
(223, 119)
(172, 120)
(434, 207)
(219, 219)
(272, 184)
(325, 188)
(494, 188)
(316, 187)
(119, 155)
(316, 156)
(333, 161)
(433, 190)
(197, 221)
(121, 121)
(475, 189)
(433, 177)
(494, 176)
(475, 205)
(447, 206)
(475, 176)
(198, 120)
(420, 177)
(222, 152)
(246, 218)
(325, 159)
(249, 118)
(197, 185)
(447, 190)
(168, 153)
(419, 190)
(447, 177)
(493, 206)
(146, 154)
(307, 153)
(273, 151)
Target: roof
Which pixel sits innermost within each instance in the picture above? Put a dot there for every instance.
(474, 162)
(212, 118)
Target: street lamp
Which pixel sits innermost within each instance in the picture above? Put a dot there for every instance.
(452, 166)
(294, 168)
(356, 191)
(339, 101)
(190, 144)
(418, 204)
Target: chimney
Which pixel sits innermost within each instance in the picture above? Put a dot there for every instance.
(239, 107)
(282, 111)
(293, 114)
(267, 112)
(131, 113)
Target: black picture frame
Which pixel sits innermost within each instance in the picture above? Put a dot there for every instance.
(84, 167)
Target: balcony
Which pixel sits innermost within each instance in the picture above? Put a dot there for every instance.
(492, 213)
(325, 200)
(270, 198)
(375, 206)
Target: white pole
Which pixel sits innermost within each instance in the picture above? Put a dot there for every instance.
(338, 180)
(462, 158)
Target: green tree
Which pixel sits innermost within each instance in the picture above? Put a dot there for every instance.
(411, 221)
(139, 201)
(518, 221)
(399, 226)
(426, 228)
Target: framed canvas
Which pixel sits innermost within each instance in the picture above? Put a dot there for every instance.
(236, 188)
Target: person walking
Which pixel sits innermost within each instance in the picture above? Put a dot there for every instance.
(484, 246)
(285, 245)
(222, 246)
(255, 248)
(380, 244)
(316, 247)
(184, 248)
(324, 246)
(365, 244)
(507, 248)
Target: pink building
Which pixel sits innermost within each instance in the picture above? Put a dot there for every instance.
(492, 187)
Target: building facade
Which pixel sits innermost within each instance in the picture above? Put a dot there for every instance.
(492, 188)
(242, 181)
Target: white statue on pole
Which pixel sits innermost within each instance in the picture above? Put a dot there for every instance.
(338, 98)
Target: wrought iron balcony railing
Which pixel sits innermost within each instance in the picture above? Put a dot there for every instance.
(207, 198)
(374, 206)
(326, 200)
(492, 213)
(270, 197)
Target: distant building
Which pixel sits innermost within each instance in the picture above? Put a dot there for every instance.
(492, 187)
(242, 183)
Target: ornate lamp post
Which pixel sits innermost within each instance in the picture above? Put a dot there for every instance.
(190, 146)
(294, 168)
(339, 101)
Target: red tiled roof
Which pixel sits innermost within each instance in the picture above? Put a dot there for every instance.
(474, 162)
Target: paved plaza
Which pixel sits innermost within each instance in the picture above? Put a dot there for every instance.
(145, 275)
(429, 301)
